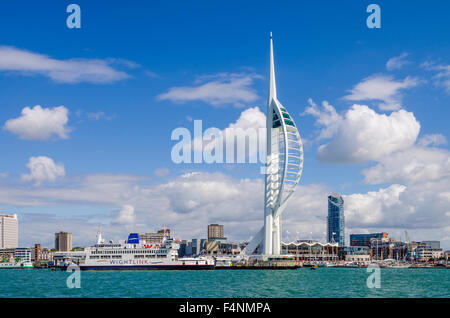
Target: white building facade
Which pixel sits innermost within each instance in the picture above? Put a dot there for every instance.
(9, 231)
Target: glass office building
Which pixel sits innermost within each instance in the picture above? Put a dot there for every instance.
(336, 223)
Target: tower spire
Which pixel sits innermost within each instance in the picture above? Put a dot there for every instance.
(272, 86)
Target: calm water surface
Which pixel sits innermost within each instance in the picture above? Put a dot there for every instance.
(322, 282)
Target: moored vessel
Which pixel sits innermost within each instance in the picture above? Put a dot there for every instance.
(134, 254)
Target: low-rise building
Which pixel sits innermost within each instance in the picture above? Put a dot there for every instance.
(366, 239)
(309, 250)
(354, 253)
(155, 238)
(425, 254)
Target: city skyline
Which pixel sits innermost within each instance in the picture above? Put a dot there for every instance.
(372, 106)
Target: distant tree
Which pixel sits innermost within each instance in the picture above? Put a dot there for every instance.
(77, 248)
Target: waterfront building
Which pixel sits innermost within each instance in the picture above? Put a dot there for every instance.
(155, 238)
(18, 253)
(366, 239)
(198, 245)
(46, 254)
(188, 250)
(9, 231)
(336, 220)
(432, 244)
(215, 232)
(182, 249)
(63, 241)
(221, 248)
(354, 253)
(22, 254)
(284, 165)
(310, 250)
(424, 254)
(389, 248)
(37, 252)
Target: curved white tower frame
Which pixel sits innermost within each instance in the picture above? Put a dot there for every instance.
(284, 167)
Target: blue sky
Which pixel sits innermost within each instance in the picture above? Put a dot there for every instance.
(119, 128)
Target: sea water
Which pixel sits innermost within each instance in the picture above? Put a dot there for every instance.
(303, 282)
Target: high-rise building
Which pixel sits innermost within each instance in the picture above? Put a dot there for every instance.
(9, 231)
(284, 165)
(215, 231)
(336, 221)
(63, 241)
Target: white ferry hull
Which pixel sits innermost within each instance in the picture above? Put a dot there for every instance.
(144, 267)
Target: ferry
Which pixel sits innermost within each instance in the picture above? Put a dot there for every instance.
(134, 254)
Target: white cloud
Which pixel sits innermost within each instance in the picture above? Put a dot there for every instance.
(382, 88)
(432, 140)
(250, 126)
(250, 118)
(39, 123)
(43, 169)
(162, 172)
(416, 164)
(187, 203)
(362, 134)
(64, 71)
(421, 206)
(126, 215)
(397, 62)
(328, 118)
(442, 77)
(99, 115)
(221, 89)
(369, 209)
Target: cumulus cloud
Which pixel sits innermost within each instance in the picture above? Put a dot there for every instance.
(416, 164)
(432, 140)
(244, 138)
(187, 203)
(327, 118)
(219, 89)
(39, 123)
(125, 216)
(369, 209)
(382, 88)
(71, 71)
(361, 134)
(43, 169)
(419, 206)
(397, 62)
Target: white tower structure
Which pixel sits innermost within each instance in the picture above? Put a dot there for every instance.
(284, 165)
